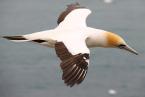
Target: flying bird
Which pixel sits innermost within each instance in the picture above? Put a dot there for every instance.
(72, 39)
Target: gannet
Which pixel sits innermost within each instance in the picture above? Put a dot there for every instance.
(72, 39)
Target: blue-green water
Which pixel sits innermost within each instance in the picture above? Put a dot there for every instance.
(30, 70)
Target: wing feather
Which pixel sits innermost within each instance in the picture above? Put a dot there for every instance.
(70, 8)
(74, 67)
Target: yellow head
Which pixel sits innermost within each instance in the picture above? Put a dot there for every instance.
(115, 41)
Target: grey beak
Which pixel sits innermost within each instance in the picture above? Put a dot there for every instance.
(128, 48)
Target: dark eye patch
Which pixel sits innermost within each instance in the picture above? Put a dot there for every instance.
(121, 46)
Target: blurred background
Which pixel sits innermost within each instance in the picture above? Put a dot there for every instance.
(31, 70)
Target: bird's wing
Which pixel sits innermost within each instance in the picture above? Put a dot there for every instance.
(69, 8)
(35, 37)
(74, 16)
(74, 66)
(43, 37)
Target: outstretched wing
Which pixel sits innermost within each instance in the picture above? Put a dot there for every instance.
(42, 37)
(74, 67)
(70, 8)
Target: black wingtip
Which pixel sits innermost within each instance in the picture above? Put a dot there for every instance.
(74, 69)
(14, 37)
(70, 7)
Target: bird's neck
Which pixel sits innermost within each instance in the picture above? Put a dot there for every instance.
(96, 38)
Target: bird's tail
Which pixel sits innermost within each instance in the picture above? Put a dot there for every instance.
(15, 38)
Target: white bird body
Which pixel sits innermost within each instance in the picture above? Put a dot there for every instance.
(72, 39)
(70, 36)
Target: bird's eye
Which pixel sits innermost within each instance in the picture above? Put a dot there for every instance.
(121, 46)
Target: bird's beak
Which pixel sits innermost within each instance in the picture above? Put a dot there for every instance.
(128, 48)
